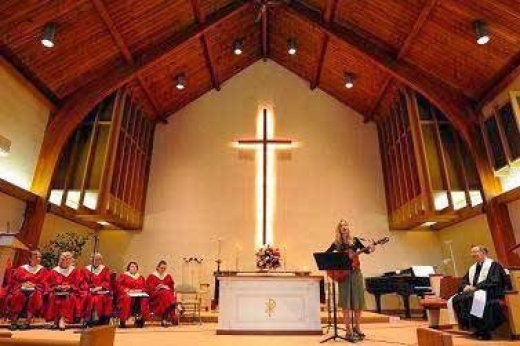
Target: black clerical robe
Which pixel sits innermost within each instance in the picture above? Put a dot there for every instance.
(494, 284)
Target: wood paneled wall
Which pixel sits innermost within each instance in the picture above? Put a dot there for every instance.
(103, 172)
(429, 174)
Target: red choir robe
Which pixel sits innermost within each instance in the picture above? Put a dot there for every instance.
(100, 301)
(162, 299)
(125, 283)
(5, 290)
(63, 305)
(81, 296)
(23, 296)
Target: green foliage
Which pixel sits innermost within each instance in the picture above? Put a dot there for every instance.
(62, 242)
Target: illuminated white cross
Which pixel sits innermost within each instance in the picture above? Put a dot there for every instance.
(265, 146)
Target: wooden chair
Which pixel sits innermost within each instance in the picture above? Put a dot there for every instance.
(98, 336)
(433, 305)
(190, 300)
(431, 337)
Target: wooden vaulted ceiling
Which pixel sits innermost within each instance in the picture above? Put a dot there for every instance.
(102, 44)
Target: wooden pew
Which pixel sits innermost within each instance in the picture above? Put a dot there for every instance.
(98, 336)
(431, 337)
(448, 287)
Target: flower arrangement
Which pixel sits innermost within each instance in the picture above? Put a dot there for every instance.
(268, 258)
(68, 241)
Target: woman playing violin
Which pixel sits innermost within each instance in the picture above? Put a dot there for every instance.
(348, 300)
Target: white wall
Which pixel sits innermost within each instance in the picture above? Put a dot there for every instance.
(202, 189)
(23, 117)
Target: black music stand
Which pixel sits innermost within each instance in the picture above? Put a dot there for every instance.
(333, 261)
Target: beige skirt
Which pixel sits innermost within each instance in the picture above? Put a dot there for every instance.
(354, 300)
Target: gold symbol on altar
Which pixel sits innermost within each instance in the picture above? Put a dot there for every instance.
(269, 307)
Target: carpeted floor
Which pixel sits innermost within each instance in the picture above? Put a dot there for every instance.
(396, 333)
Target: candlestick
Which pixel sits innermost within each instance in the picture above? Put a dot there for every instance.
(285, 258)
(219, 248)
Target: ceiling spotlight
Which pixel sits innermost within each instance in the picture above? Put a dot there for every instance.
(349, 80)
(49, 33)
(481, 32)
(238, 46)
(291, 46)
(180, 81)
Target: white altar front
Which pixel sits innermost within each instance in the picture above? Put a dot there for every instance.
(264, 304)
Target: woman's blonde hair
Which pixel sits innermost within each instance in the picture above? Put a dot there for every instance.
(339, 227)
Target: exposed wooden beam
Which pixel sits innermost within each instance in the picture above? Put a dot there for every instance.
(412, 35)
(321, 59)
(499, 82)
(42, 88)
(200, 18)
(49, 13)
(417, 27)
(209, 63)
(127, 54)
(328, 17)
(116, 36)
(197, 12)
(454, 104)
(330, 11)
(159, 115)
(17, 192)
(379, 98)
(265, 35)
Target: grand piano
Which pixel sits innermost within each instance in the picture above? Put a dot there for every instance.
(411, 281)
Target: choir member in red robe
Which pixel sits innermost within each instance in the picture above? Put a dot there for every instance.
(63, 287)
(132, 296)
(26, 288)
(98, 308)
(162, 295)
(5, 290)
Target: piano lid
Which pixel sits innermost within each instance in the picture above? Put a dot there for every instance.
(413, 271)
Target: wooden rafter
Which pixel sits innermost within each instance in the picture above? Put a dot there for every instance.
(417, 27)
(412, 35)
(265, 36)
(370, 116)
(328, 17)
(208, 57)
(61, 8)
(127, 54)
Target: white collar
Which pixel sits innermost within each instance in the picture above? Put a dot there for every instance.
(97, 270)
(484, 271)
(64, 271)
(133, 276)
(32, 270)
(159, 276)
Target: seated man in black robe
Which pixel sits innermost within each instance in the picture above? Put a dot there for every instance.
(477, 305)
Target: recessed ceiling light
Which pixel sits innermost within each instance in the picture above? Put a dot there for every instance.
(292, 47)
(349, 80)
(180, 81)
(49, 35)
(481, 32)
(238, 46)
